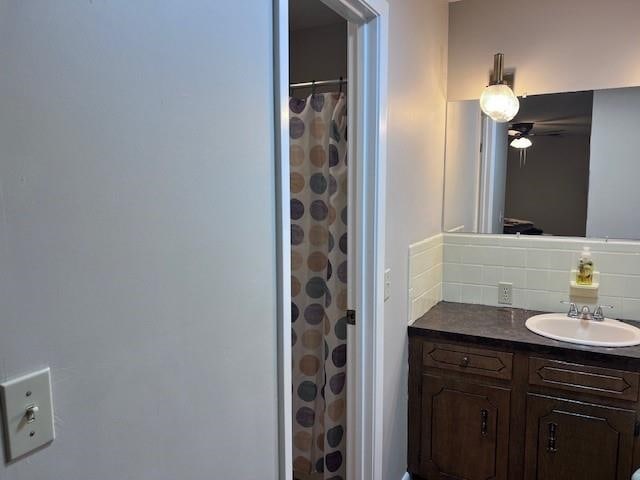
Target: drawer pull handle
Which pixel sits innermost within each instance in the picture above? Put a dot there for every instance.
(464, 362)
(551, 445)
(484, 416)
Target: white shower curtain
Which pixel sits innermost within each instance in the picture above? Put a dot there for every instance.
(318, 153)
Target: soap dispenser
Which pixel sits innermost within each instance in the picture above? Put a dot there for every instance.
(584, 275)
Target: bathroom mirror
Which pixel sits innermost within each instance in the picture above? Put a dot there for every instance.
(566, 165)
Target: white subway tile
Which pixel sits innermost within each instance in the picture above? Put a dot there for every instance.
(559, 281)
(631, 308)
(490, 296)
(494, 255)
(537, 300)
(615, 302)
(426, 244)
(519, 298)
(485, 240)
(451, 292)
(491, 275)
(537, 258)
(460, 238)
(473, 255)
(453, 254)
(555, 300)
(476, 263)
(420, 284)
(537, 280)
(452, 272)
(562, 259)
(621, 247)
(514, 257)
(471, 294)
(422, 261)
(518, 241)
(435, 275)
(515, 276)
(632, 287)
(628, 264)
(612, 285)
(471, 274)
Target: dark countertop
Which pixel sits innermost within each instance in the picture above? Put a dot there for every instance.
(504, 328)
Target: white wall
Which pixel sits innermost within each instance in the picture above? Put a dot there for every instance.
(137, 234)
(555, 46)
(462, 166)
(614, 194)
(318, 53)
(417, 104)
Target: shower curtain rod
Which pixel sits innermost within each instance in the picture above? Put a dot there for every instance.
(320, 83)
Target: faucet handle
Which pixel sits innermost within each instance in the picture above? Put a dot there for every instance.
(598, 314)
(573, 308)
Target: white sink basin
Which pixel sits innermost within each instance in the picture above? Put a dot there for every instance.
(605, 333)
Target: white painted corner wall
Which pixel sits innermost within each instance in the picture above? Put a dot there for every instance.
(425, 275)
(418, 34)
(539, 269)
(554, 46)
(137, 172)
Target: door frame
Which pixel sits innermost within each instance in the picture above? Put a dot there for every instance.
(368, 62)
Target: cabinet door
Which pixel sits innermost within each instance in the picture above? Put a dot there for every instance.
(465, 429)
(569, 439)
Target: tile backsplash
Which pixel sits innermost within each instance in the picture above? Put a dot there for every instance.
(538, 267)
(425, 275)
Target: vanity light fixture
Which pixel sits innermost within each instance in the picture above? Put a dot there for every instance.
(498, 100)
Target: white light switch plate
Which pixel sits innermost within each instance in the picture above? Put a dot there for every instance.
(387, 284)
(23, 435)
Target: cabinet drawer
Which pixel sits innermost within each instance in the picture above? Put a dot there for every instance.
(469, 360)
(574, 377)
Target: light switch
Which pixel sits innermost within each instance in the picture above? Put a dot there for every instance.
(387, 284)
(27, 413)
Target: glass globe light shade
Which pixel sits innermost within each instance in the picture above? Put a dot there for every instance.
(499, 102)
(522, 142)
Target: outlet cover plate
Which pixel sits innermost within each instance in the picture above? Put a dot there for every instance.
(21, 435)
(505, 293)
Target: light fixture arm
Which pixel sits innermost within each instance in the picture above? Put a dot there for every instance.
(498, 69)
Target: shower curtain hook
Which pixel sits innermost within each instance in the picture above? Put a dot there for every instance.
(313, 87)
(340, 91)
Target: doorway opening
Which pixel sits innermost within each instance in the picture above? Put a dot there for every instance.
(319, 223)
(330, 184)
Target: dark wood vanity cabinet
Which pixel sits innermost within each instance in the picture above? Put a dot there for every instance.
(486, 413)
(572, 439)
(465, 429)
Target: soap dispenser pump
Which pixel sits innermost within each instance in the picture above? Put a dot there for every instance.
(585, 268)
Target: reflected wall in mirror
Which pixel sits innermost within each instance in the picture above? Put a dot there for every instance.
(566, 165)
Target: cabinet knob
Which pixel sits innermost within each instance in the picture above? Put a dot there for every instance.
(464, 362)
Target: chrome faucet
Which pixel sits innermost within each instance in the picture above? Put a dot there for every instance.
(585, 312)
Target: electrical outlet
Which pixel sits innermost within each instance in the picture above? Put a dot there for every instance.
(505, 293)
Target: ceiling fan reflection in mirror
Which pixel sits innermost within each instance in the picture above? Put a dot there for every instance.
(521, 133)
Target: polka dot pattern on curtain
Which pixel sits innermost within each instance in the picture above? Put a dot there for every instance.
(319, 182)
